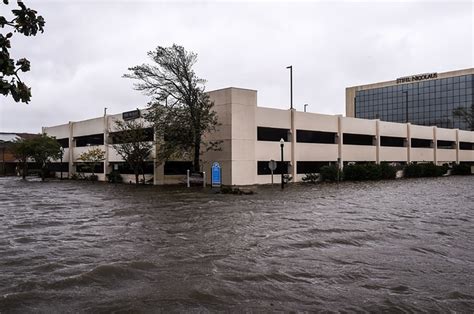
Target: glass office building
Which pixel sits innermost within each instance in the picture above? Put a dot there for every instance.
(416, 99)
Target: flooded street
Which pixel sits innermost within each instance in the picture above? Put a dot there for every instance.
(405, 245)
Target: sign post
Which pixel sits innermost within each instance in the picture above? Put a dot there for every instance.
(272, 165)
(216, 177)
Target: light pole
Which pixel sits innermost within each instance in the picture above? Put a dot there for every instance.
(406, 106)
(61, 164)
(305, 105)
(291, 85)
(282, 143)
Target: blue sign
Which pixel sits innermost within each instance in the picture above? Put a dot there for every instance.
(216, 174)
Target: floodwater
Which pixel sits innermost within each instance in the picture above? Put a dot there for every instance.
(393, 246)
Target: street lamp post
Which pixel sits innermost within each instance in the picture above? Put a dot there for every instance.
(291, 85)
(282, 143)
(406, 106)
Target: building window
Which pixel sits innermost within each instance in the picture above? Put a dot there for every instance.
(421, 143)
(94, 139)
(58, 166)
(358, 139)
(86, 167)
(446, 144)
(466, 146)
(272, 134)
(177, 167)
(392, 141)
(117, 137)
(263, 168)
(303, 167)
(64, 142)
(124, 168)
(303, 136)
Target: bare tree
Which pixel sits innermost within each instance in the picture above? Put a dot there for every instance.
(180, 111)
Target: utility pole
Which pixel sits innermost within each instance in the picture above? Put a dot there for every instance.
(291, 85)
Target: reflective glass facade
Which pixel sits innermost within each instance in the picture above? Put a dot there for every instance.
(429, 102)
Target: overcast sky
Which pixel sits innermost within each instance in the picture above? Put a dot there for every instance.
(78, 62)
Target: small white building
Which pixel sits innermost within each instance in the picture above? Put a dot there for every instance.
(251, 136)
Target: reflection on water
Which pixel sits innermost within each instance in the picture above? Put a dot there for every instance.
(406, 245)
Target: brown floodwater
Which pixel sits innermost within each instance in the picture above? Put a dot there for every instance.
(394, 246)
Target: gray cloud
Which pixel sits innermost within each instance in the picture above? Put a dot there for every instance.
(78, 62)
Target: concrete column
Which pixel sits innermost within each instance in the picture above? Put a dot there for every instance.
(293, 143)
(377, 141)
(408, 142)
(457, 146)
(71, 149)
(340, 142)
(435, 145)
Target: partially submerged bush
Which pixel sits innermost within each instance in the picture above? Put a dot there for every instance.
(114, 177)
(424, 170)
(461, 169)
(310, 177)
(388, 172)
(329, 173)
(364, 172)
(93, 178)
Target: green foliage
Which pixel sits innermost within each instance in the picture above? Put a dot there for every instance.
(27, 22)
(92, 158)
(364, 172)
(329, 173)
(310, 178)
(388, 172)
(461, 169)
(133, 146)
(41, 149)
(93, 178)
(180, 111)
(424, 170)
(114, 177)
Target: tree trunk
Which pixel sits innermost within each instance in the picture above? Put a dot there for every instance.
(137, 177)
(25, 169)
(197, 153)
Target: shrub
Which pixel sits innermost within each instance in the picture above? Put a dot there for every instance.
(424, 170)
(114, 177)
(388, 172)
(74, 176)
(93, 178)
(363, 172)
(461, 169)
(413, 171)
(328, 173)
(310, 177)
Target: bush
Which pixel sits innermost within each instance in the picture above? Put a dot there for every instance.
(328, 173)
(424, 170)
(310, 177)
(93, 178)
(461, 169)
(388, 172)
(114, 177)
(363, 172)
